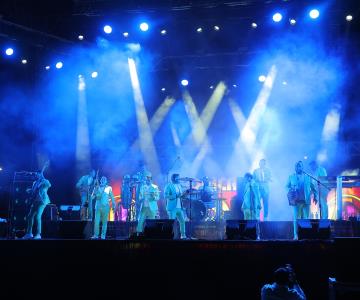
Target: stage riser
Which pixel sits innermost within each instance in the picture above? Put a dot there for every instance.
(272, 230)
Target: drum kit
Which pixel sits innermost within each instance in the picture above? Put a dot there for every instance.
(199, 204)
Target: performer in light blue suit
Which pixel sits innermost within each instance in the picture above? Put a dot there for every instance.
(304, 186)
(173, 193)
(149, 196)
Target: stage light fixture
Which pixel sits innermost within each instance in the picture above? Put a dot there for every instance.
(94, 74)
(163, 89)
(349, 18)
(292, 21)
(199, 29)
(1, 168)
(125, 34)
(163, 32)
(253, 25)
(59, 65)
(184, 82)
(24, 61)
(80, 37)
(47, 67)
(277, 17)
(284, 82)
(107, 29)
(216, 28)
(262, 78)
(211, 87)
(314, 14)
(234, 85)
(9, 51)
(144, 26)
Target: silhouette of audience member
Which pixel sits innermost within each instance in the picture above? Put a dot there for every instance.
(285, 286)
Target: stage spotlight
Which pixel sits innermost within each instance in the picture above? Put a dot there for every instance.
(1, 168)
(144, 26)
(47, 68)
(107, 29)
(262, 78)
(59, 65)
(216, 28)
(284, 82)
(292, 21)
(94, 74)
(277, 17)
(211, 87)
(253, 25)
(199, 29)
(234, 85)
(80, 37)
(24, 61)
(163, 89)
(126, 34)
(163, 32)
(349, 18)
(9, 51)
(184, 82)
(314, 14)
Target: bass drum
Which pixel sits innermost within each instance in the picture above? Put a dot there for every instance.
(197, 211)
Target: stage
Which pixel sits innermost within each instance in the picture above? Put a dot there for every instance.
(163, 269)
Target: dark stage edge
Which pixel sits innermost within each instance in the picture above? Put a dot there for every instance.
(170, 269)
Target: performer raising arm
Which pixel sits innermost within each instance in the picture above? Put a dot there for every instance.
(173, 192)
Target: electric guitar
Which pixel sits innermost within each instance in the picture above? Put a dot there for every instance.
(35, 188)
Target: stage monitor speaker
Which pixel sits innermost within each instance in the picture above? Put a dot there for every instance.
(75, 229)
(313, 229)
(241, 229)
(159, 229)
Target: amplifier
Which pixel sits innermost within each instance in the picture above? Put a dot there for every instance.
(70, 212)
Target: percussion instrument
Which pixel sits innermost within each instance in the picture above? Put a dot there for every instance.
(198, 210)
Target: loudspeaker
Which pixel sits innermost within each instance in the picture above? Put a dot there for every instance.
(241, 229)
(75, 229)
(313, 229)
(159, 229)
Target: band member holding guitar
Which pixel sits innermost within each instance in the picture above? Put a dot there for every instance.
(300, 186)
(85, 187)
(102, 193)
(148, 197)
(40, 198)
(173, 193)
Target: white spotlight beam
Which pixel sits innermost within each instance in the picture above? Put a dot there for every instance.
(157, 118)
(83, 163)
(249, 132)
(145, 135)
(329, 133)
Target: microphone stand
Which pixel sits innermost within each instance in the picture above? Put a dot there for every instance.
(319, 188)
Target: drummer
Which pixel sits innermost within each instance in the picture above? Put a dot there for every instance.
(208, 198)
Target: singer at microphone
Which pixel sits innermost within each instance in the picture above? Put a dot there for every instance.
(304, 187)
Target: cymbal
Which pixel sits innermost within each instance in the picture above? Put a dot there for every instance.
(189, 179)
